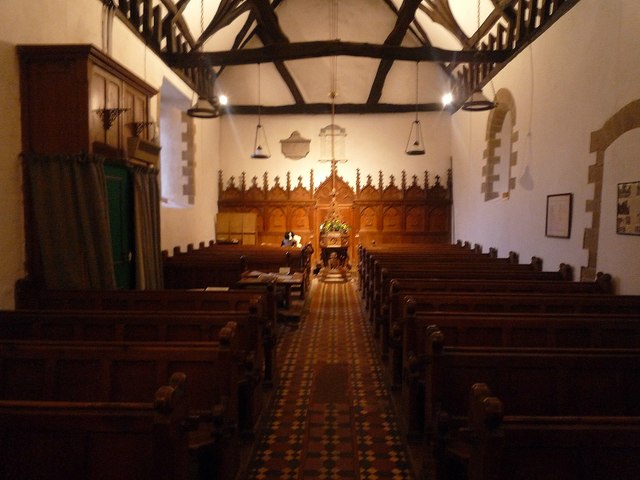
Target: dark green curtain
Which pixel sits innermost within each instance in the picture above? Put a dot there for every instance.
(69, 198)
(146, 194)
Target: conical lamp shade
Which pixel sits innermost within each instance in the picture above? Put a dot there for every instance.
(415, 144)
(260, 145)
(203, 109)
(478, 102)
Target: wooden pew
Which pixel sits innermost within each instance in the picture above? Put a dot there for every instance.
(140, 326)
(523, 303)
(115, 371)
(506, 330)
(262, 305)
(435, 262)
(498, 447)
(223, 265)
(382, 275)
(492, 302)
(391, 309)
(97, 440)
(387, 254)
(123, 372)
(529, 381)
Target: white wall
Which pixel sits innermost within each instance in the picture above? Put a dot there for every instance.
(68, 21)
(196, 223)
(566, 85)
(373, 143)
(619, 254)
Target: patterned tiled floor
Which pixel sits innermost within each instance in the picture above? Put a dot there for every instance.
(332, 415)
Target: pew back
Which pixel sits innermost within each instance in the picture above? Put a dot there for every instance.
(92, 441)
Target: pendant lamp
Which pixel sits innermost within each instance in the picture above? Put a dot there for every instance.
(203, 108)
(415, 143)
(260, 145)
(478, 102)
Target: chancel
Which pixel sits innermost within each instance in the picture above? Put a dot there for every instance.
(460, 304)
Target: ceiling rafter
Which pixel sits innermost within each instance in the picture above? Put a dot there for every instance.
(268, 21)
(301, 50)
(227, 12)
(326, 108)
(406, 16)
(415, 28)
(286, 77)
(269, 31)
(175, 15)
(440, 12)
(506, 9)
(510, 26)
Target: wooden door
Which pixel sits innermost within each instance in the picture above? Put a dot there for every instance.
(120, 197)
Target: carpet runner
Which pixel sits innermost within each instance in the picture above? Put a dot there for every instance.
(332, 415)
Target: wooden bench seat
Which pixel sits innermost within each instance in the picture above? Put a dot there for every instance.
(379, 285)
(498, 447)
(494, 302)
(529, 381)
(390, 310)
(523, 303)
(509, 330)
(262, 305)
(403, 256)
(139, 326)
(408, 363)
(222, 265)
(123, 372)
(97, 440)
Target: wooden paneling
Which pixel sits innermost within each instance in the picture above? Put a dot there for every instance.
(64, 85)
(393, 214)
(236, 227)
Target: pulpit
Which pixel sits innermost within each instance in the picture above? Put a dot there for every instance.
(334, 247)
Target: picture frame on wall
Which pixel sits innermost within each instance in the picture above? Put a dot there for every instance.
(628, 209)
(559, 209)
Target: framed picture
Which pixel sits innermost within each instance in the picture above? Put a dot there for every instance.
(628, 219)
(559, 215)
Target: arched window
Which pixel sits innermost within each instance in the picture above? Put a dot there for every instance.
(500, 154)
(177, 162)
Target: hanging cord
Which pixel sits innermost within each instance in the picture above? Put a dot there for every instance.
(259, 97)
(417, 82)
(201, 17)
(478, 23)
(333, 34)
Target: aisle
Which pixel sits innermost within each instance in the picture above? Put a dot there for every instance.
(332, 415)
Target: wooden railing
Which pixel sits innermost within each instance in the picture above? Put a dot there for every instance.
(521, 23)
(159, 24)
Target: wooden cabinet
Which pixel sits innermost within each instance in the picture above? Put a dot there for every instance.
(236, 228)
(64, 91)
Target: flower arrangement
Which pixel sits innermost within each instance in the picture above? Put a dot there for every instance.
(334, 225)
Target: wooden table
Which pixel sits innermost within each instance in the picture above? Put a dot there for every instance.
(285, 282)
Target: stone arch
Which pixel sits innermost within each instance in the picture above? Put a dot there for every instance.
(625, 119)
(490, 171)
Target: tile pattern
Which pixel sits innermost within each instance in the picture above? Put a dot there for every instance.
(354, 436)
